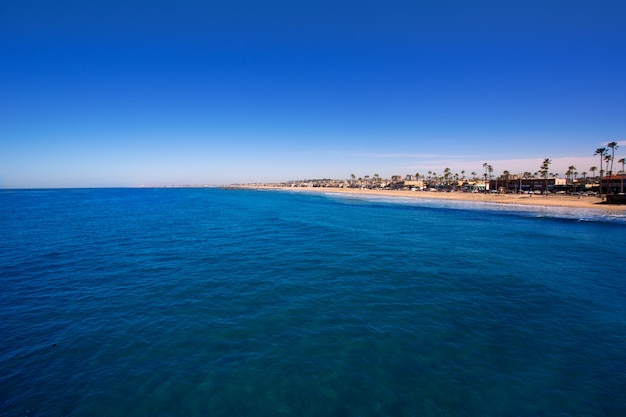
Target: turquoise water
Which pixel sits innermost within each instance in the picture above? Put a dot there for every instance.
(197, 302)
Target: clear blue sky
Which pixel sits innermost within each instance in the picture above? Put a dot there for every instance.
(125, 93)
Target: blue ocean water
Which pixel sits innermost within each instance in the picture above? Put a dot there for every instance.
(198, 302)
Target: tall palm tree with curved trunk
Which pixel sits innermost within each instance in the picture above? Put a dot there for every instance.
(613, 145)
(608, 159)
(601, 152)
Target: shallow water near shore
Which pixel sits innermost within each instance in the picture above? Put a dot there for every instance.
(185, 302)
(581, 214)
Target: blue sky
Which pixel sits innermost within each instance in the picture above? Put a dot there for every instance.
(107, 93)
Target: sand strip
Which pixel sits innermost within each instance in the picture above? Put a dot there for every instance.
(589, 202)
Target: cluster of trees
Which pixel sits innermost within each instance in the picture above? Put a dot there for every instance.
(448, 179)
(608, 159)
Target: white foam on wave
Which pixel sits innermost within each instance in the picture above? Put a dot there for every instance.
(571, 213)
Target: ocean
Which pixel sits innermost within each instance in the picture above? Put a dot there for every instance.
(211, 302)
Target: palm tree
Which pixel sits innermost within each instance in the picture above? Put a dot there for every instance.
(544, 169)
(570, 174)
(446, 177)
(613, 146)
(602, 153)
(608, 159)
(567, 174)
(593, 170)
(485, 165)
(622, 161)
(570, 171)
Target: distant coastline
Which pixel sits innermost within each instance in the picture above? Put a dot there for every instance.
(570, 201)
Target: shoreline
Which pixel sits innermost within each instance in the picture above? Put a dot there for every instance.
(589, 202)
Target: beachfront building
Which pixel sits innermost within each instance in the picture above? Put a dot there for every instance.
(475, 186)
(520, 184)
(411, 184)
(614, 184)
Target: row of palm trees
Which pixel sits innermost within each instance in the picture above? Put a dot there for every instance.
(448, 179)
(603, 153)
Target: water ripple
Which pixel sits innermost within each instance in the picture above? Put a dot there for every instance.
(209, 302)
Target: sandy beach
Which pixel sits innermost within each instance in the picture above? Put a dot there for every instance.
(588, 202)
